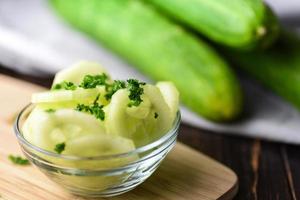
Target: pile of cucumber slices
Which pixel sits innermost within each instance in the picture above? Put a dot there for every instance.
(86, 113)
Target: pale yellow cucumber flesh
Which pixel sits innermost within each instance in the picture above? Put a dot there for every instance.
(170, 95)
(76, 72)
(45, 129)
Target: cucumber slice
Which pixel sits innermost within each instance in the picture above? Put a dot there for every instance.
(170, 95)
(27, 127)
(141, 136)
(118, 122)
(102, 91)
(97, 145)
(77, 95)
(87, 123)
(160, 107)
(76, 72)
(140, 111)
(57, 105)
(100, 145)
(37, 127)
(150, 123)
(45, 130)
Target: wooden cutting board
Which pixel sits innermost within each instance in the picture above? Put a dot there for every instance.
(185, 174)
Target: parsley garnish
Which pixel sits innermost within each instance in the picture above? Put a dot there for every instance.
(94, 109)
(66, 85)
(90, 81)
(50, 110)
(155, 115)
(133, 85)
(82, 108)
(60, 147)
(18, 160)
(135, 92)
(117, 84)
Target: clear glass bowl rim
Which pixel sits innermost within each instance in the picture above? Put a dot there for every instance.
(141, 149)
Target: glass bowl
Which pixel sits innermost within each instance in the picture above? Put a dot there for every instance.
(82, 176)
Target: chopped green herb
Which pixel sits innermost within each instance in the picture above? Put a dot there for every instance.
(94, 109)
(117, 84)
(82, 108)
(50, 110)
(155, 115)
(18, 160)
(59, 148)
(65, 85)
(135, 92)
(98, 112)
(90, 81)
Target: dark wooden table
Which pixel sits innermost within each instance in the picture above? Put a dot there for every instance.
(266, 170)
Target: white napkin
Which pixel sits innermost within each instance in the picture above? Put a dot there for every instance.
(34, 40)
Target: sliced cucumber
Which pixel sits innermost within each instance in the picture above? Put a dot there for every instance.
(45, 130)
(140, 111)
(170, 95)
(97, 145)
(102, 99)
(117, 121)
(100, 145)
(77, 95)
(150, 123)
(141, 136)
(162, 110)
(87, 123)
(57, 105)
(76, 72)
(55, 120)
(37, 127)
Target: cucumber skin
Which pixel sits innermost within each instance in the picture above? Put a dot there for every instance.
(241, 24)
(160, 49)
(278, 68)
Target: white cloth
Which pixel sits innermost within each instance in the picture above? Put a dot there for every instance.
(34, 40)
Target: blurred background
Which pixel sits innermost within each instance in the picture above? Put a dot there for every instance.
(35, 39)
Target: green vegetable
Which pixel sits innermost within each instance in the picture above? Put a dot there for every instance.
(160, 49)
(90, 81)
(65, 95)
(47, 130)
(50, 110)
(170, 95)
(76, 72)
(78, 133)
(241, 24)
(117, 85)
(59, 148)
(65, 85)
(135, 92)
(18, 160)
(94, 109)
(277, 68)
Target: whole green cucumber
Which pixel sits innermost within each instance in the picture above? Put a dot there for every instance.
(160, 49)
(242, 24)
(278, 68)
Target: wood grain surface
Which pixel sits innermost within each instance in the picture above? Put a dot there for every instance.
(185, 174)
